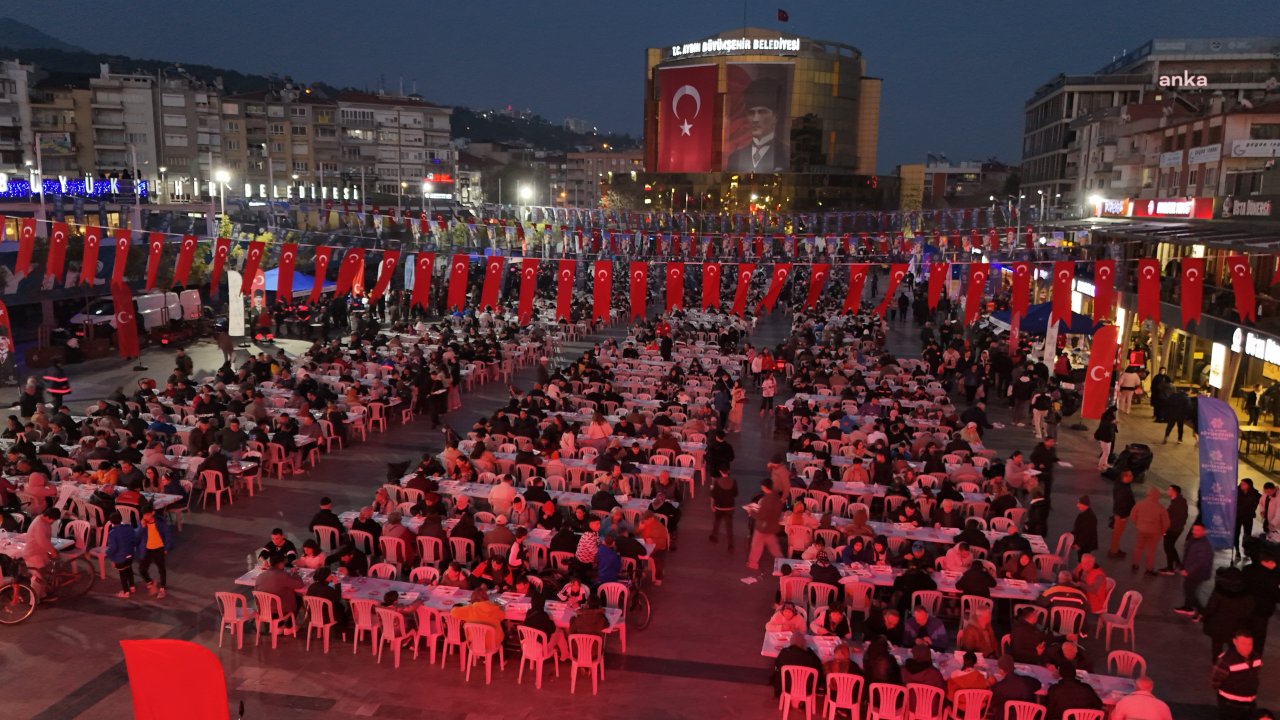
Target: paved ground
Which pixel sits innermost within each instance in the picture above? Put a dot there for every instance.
(700, 657)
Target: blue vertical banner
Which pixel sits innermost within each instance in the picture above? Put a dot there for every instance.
(1219, 469)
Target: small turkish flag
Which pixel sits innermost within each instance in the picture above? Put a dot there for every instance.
(675, 285)
(853, 295)
(387, 268)
(1097, 381)
(323, 255)
(783, 16)
(89, 261)
(938, 272)
(156, 243)
(639, 289)
(57, 250)
(528, 286)
(352, 266)
(185, 255)
(744, 286)
(251, 263)
(122, 236)
(710, 285)
(221, 249)
(284, 271)
(126, 325)
(603, 290)
(459, 269)
(492, 287)
(564, 289)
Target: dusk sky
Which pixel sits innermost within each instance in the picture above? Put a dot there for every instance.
(955, 74)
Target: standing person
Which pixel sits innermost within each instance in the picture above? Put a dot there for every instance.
(122, 541)
(1247, 500)
(1122, 502)
(738, 395)
(768, 388)
(1044, 457)
(1150, 523)
(1263, 580)
(1161, 388)
(154, 541)
(767, 526)
(1197, 568)
(1085, 529)
(1177, 410)
(1229, 610)
(1270, 507)
(1236, 678)
(1108, 426)
(724, 500)
(1041, 404)
(1023, 387)
(1127, 385)
(58, 385)
(1177, 523)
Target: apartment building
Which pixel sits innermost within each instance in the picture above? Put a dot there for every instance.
(280, 143)
(188, 113)
(396, 143)
(586, 173)
(15, 113)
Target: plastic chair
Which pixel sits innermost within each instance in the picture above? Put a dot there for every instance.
(1081, 714)
(1066, 621)
(924, 702)
(1023, 710)
(1063, 549)
(385, 571)
(931, 600)
(393, 550)
(1126, 663)
(819, 595)
(235, 613)
(430, 550)
(587, 653)
(799, 686)
(464, 549)
(269, 612)
(363, 541)
(791, 588)
(453, 638)
(887, 702)
(844, 692)
(483, 641)
(328, 537)
(394, 633)
(970, 705)
(1122, 619)
(277, 460)
(1048, 566)
(424, 575)
(535, 650)
(318, 609)
(215, 483)
(616, 595)
(363, 618)
(430, 628)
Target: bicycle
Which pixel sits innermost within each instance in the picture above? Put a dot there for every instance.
(65, 579)
(640, 608)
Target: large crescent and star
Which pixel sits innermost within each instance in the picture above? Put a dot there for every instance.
(685, 126)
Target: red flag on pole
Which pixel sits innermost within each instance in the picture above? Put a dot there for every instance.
(1149, 290)
(323, 255)
(897, 271)
(252, 259)
(973, 296)
(710, 285)
(1021, 297)
(1097, 382)
(857, 279)
(744, 286)
(492, 286)
(528, 286)
(424, 266)
(122, 236)
(1104, 289)
(1242, 283)
(603, 287)
(186, 252)
(352, 268)
(57, 260)
(156, 244)
(460, 268)
(776, 283)
(26, 246)
(126, 326)
(284, 272)
(639, 273)
(1063, 271)
(221, 249)
(1192, 289)
(564, 289)
(675, 285)
(89, 260)
(818, 273)
(937, 282)
(686, 117)
(386, 269)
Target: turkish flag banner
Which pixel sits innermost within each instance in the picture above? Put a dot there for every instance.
(186, 252)
(675, 285)
(710, 285)
(1242, 283)
(639, 274)
(351, 268)
(564, 289)
(897, 271)
(57, 260)
(424, 265)
(221, 249)
(1149, 290)
(252, 259)
(818, 274)
(459, 269)
(175, 678)
(528, 286)
(744, 286)
(89, 260)
(155, 244)
(424, 224)
(323, 255)
(937, 281)
(1104, 289)
(126, 325)
(1063, 272)
(386, 269)
(686, 117)
(978, 273)
(4, 322)
(993, 240)
(1097, 379)
(776, 283)
(284, 272)
(603, 290)
(857, 280)
(26, 246)
(492, 287)
(1021, 295)
(1192, 289)
(122, 238)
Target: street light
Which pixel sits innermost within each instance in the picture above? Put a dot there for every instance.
(525, 193)
(427, 189)
(222, 177)
(164, 193)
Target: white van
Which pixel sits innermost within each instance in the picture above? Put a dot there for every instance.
(155, 308)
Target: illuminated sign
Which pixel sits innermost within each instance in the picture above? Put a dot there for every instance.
(1113, 208)
(1197, 208)
(1253, 207)
(1186, 79)
(1264, 349)
(12, 188)
(440, 178)
(732, 46)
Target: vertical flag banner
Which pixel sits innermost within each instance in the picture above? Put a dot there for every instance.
(155, 243)
(1242, 283)
(1104, 289)
(26, 246)
(675, 285)
(1060, 309)
(937, 282)
(978, 273)
(252, 260)
(492, 287)
(639, 274)
(1149, 290)
(564, 289)
(459, 268)
(122, 236)
(776, 283)
(323, 255)
(1021, 297)
(89, 260)
(221, 249)
(528, 286)
(386, 269)
(1097, 380)
(857, 280)
(897, 271)
(57, 259)
(352, 266)
(1192, 289)
(1219, 467)
(745, 271)
(818, 274)
(175, 678)
(686, 117)
(4, 322)
(710, 285)
(425, 263)
(284, 271)
(126, 325)
(603, 290)
(186, 252)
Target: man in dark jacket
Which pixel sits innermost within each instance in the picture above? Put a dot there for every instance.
(1263, 580)
(977, 414)
(1177, 523)
(1045, 458)
(1247, 499)
(1197, 568)
(1122, 502)
(1177, 409)
(1010, 686)
(1026, 639)
(326, 517)
(1069, 693)
(1236, 677)
(1085, 529)
(797, 654)
(324, 585)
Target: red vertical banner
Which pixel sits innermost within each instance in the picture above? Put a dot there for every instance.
(937, 282)
(639, 274)
(1097, 381)
(122, 237)
(126, 325)
(323, 255)
(1149, 290)
(564, 289)
(1063, 272)
(4, 322)
(528, 286)
(89, 260)
(186, 252)
(602, 290)
(1242, 283)
(675, 285)
(993, 240)
(686, 117)
(973, 293)
(252, 261)
(1021, 296)
(175, 678)
(897, 271)
(710, 285)
(424, 266)
(26, 246)
(776, 283)
(387, 268)
(221, 249)
(1104, 289)
(745, 271)
(818, 274)
(459, 269)
(57, 260)
(352, 266)
(1192, 289)
(492, 288)
(857, 280)
(284, 272)
(155, 245)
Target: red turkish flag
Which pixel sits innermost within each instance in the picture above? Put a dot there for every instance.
(675, 285)
(978, 273)
(857, 280)
(126, 325)
(564, 289)
(221, 249)
(993, 239)
(459, 269)
(492, 287)
(387, 268)
(424, 265)
(122, 237)
(1104, 289)
(57, 260)
(26, 246)
(284, 271)
(1242, 283)
(744, 286)
(323, 255)
(351, 268)
(89, 260)
(1021, 291)
(186, 252)
(1149, 290)
(424, 224)
(603, 290)
(1192, 289)
(937, 281)
(686, 117)
(252, 259)
(4, 322)
(897, 271)
(639, 274)
(155, 243)
(710, 285)
(175, 678)
(818, 274)
(1063, 272)
(781, 272)
(528, 286)
(1097, 380)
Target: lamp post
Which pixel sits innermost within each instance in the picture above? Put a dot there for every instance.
(427, 188)
(164, 191)
(1041, 194)
(222, 177)
(400, 195)
(526, 194)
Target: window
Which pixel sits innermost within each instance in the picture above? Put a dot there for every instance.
(1196, 136)
(175, 120)
(1191, 179)
(299, 130)
(231, 144)
(277, 128)
(329, 167)
(231, 126)
(174, 140)
(1210, 174)
(171, 100)
(235, 164)
(277, 147)
(1264, 131)
(1215, 134)
(230, 108)
(300, 167)
(298, 111)
(255, 109)
(275, 111)
(326, 132)
(141, 138)
(300, 149)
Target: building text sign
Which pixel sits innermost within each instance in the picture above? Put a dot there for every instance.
(780, 45)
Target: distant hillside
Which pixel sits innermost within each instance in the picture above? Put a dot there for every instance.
(479, 125)
(86, 63)
(16, 35)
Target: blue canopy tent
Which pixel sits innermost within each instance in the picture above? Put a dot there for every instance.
(1036, 321)
(302, 283)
